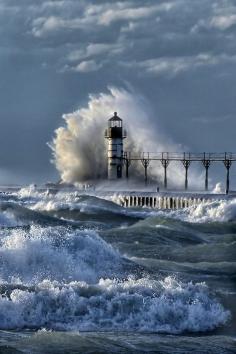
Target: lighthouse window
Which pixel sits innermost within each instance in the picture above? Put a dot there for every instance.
(115, 124)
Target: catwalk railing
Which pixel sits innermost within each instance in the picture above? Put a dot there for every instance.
(165, 158)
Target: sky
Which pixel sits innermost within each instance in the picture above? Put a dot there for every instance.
(180, 56)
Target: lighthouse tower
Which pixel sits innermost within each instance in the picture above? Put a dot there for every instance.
(115, 135)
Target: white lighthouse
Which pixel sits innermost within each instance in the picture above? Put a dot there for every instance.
(115, 135)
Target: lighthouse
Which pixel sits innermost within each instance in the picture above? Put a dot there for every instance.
(115, 135)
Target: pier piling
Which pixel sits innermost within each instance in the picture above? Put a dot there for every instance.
(165, 163)
(206, 163)
(227, 164)
(145, 161)
(186, 163)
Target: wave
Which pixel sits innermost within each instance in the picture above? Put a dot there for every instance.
(7, 219)
(75, 201)
(44, 200)
(217, 211)
(142, 305)
(30, 205)
(30, 192)
(55, 253)
(112, 342)
(15, 215)
(208, 212)
(65, 279)
(197, 268)
(61, 277)
(179, 241)
(157, 231)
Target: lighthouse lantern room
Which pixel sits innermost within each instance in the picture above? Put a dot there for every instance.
(115, 135)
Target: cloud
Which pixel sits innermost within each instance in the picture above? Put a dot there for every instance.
(95, 49)
(43, 26)
(221, 17)
(53, 4)
(87, 66)
(92, 57)
(171, 66)
(89, 16)
(131, 13)
(223, 22)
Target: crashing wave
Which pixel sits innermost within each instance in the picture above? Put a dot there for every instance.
(216, 211)
(55, 253)
(140, 305)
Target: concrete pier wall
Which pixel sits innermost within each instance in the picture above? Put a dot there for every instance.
(164, 201)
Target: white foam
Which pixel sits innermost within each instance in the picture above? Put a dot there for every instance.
(135, 305)
(31, 192)
(219, 188)
(88, 204)
(55, 253)
(8, 219)
(73, 201)
(216, 211)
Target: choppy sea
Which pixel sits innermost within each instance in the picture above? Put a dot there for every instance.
(80, 274)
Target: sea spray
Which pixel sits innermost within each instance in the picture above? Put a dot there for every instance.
(79, 147)
(209, 211)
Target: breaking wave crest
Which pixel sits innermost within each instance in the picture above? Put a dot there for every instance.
(215, 211)
(62, 204)
(219, 211)
(15, 215)
(55, 253)
(64, 279)
(8, 219)
(136, 305)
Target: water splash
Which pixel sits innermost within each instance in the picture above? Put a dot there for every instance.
(206, 212)
(140, 305)
(79, 148)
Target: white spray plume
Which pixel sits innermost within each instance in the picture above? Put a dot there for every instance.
(219, 188)
(79, 148)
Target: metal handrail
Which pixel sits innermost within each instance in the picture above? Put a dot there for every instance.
(182, 156)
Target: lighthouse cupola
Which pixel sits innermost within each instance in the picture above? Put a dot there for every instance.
(115, 135)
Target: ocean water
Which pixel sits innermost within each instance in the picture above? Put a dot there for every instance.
(80, 274)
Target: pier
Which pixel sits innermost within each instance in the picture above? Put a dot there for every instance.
(118, 159)
(186, 159)
(164, 200)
